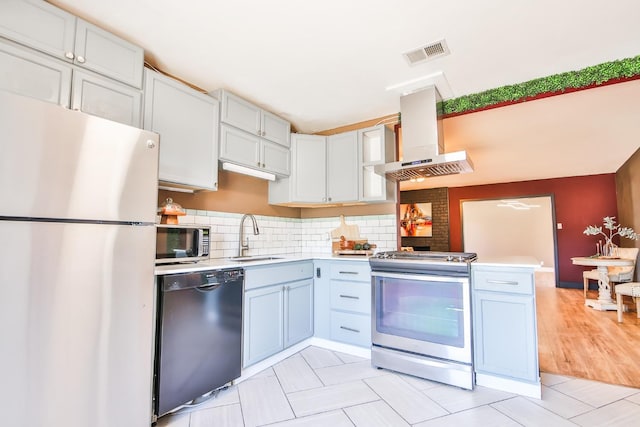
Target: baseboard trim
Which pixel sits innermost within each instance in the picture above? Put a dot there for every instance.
(571, 285)
(252, 370)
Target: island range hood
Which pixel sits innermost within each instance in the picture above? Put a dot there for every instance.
(423, 142)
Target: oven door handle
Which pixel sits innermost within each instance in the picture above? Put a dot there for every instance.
(419, 277)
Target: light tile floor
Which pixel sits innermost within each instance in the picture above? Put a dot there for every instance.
(320, 387)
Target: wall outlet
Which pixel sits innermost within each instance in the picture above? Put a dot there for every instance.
(559, 226)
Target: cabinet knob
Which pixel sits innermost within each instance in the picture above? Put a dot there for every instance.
(69, 55)
(263, 165)
(80, 59)
(329, 198)
(151, 143)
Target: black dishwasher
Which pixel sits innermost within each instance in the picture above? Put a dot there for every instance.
(198, 335)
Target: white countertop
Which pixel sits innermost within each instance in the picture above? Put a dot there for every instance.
(507, 261)
(220, 263)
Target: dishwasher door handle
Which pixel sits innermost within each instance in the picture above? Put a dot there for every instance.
(208, 288)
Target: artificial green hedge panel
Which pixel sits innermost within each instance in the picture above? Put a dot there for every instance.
(594, 75)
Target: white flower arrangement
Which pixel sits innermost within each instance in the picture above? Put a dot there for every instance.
(614, 230)
(609, 248)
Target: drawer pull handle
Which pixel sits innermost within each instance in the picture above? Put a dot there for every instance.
(502, 282)
(350, 329)
(349, 296)
(348, 272)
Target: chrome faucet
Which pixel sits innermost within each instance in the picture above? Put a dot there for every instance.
(242, 246)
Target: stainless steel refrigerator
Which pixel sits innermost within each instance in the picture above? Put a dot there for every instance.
(77, 205)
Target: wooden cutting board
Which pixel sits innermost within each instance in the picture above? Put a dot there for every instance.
(350, 232)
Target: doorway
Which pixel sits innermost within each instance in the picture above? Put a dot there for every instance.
(522, 226)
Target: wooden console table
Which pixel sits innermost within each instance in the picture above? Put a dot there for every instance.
(604, 301)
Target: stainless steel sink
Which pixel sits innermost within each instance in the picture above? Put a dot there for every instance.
(254, 258)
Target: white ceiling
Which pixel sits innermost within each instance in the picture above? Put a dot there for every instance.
(324, 64)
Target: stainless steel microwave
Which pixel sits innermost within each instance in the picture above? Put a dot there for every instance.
(181, 243)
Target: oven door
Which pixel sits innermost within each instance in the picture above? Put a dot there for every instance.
(423, 314)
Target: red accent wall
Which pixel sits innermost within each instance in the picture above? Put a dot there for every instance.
(578, 201)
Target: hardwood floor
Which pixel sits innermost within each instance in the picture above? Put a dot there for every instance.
(579, 341)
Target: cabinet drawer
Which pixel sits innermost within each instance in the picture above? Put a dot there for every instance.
(265, 275)
(353, 271)
(517, 282)
(351, 296)
(351, 328)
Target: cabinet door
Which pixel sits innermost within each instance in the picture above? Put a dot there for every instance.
(505, 335)
(25, 72)
(94, 94)
(342, 167)
(240, 113)
(309, 174)
(263, 324)
(299, 311)
(276, 129)
(39, 25)
(239, 147)
(187, 122)
(376, 147)
(374, 186)
(107, 54)
(275, 158)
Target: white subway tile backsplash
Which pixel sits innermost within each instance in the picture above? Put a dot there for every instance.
(288, 235)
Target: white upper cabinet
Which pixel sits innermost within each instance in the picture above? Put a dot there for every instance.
(309, 174)
(342, 167)
(275, 158)
(42, 26)
(26, 72)
(276, 129)
(376, 146)
(106, 54)
(243, 148)
(93, 94)
(341, 174)
(187, 122)
(252, 137)
(250, 118)
(39, 25)
(29, 73)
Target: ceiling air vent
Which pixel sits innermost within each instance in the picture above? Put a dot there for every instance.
(427, 52)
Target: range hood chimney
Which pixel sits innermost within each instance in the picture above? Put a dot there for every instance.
(423, 142)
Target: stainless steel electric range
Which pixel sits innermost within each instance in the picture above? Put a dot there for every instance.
(421, 322)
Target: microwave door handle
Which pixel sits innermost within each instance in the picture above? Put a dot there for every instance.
(200, 242)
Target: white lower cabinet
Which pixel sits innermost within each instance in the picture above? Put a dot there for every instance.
(278, 308)
(298, 308)
(343, 301)
(504, 325)
(263, 323)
